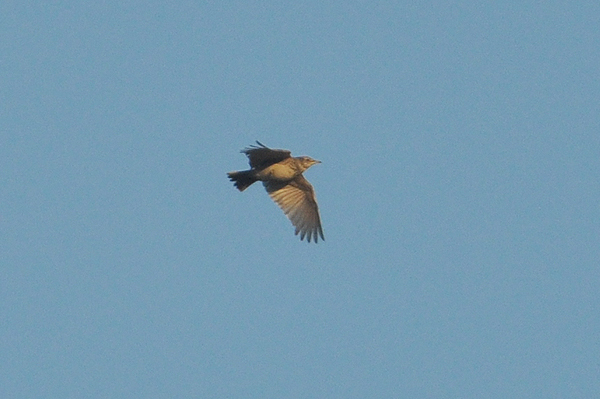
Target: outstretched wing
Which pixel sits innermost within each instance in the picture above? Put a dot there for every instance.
(298, 201)
(262, 156)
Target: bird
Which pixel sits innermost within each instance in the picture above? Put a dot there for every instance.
(281, 175)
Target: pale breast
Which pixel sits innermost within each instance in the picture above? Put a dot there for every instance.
(277, 171)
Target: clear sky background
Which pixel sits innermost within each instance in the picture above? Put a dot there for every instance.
(459, 194)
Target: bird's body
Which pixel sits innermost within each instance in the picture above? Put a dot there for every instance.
(282, 177)
(282, 171)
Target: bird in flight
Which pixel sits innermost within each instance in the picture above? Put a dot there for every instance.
(281, 175)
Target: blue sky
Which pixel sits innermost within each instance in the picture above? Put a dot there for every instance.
(459, 194)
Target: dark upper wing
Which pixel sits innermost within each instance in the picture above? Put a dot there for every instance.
(297, 200)
(262, 156)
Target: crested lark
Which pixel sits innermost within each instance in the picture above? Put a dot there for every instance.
(281, 175)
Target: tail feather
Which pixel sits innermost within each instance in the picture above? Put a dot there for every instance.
(242, 180)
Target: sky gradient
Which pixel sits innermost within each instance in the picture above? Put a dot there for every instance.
(459, 195)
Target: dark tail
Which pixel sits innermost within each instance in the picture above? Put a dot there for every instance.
(242, 180)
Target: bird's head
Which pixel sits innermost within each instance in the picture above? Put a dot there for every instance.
(307, 162)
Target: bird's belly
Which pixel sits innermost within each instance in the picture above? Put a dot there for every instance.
(277, 172)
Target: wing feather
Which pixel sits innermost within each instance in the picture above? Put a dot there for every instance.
(260, 156)
(298, 202)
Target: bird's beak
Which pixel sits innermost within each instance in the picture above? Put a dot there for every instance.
(317, 161)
